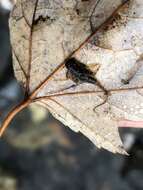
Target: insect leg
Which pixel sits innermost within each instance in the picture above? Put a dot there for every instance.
(102, 103)
(69, 87)
(63, 89)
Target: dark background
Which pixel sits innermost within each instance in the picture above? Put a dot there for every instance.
(38, 153)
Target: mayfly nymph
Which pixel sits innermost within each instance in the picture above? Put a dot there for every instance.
(79, 72)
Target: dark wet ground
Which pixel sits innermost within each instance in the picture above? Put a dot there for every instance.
(44, 155)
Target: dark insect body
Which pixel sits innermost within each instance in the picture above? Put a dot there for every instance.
(80, 73)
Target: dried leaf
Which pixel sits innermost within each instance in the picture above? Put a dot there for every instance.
(109, 33)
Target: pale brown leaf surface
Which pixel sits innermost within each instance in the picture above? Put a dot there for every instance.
(44, 33)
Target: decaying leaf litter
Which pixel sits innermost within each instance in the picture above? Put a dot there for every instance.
(45, 33)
